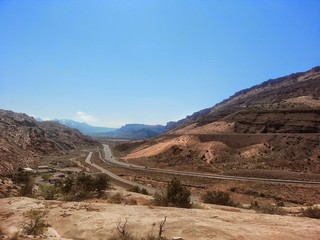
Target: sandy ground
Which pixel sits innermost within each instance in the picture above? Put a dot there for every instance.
(97, 220)
(207, 149)
(159, 147)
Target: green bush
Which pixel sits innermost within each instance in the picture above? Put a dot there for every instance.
(36, 224)
(83, 186)
(100, 183)
(45, 177)
(311, 212)
(218, 197)
(49, 192)
(176, 195)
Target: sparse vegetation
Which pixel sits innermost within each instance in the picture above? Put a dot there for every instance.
(311, 212)
(116, 198)
(45, 177)
(49, 192)
(175, 195)
(218, 197)
(137, 189)
(36, 224)
(160, 198)
(26, 182)
(268, 209)
(124, 232)
(101, 182)
(83, 186)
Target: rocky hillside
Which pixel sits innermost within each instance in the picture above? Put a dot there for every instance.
(292, 100)
(23, 139)
(272, 126)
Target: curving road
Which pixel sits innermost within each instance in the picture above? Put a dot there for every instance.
(110, 159)
(116, 177)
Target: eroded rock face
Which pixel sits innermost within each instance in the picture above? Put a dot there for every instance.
(271, 126)
(23, 140)
(290, 99)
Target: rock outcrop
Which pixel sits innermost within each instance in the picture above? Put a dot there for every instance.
(23, 140)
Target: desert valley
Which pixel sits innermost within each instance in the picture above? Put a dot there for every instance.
(246, 168)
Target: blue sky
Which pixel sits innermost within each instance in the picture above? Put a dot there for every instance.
(114, 62)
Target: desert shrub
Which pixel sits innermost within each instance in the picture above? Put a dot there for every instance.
(134, 189)
(83, 186)
(49, 192)
(26, 182)
(271, 209)
(130, 201)
(45, 177)
(268, 209)
(100, 183)
(144, 191)
(160, 199)
(218, 197)
(311, 212)
(137, 189)
(36, 224)
(176, 195)
(116, 198)
(67, 185)
(27, 189)
(123, 232)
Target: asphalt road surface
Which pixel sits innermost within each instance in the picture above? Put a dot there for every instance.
(110, 159)
(116, 177)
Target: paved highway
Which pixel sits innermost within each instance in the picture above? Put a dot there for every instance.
(110, 159)
(116, 177)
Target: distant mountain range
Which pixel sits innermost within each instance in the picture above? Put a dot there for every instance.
(137, 131)
(128, 131)
(84, 127)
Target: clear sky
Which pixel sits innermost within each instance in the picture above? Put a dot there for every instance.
(114, 62)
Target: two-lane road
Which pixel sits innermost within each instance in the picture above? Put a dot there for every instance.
(110, 159)
(116, 177)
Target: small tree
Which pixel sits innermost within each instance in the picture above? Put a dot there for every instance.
(161, 228)
(82, 186)
(26, 182)
(67, 185)
(177, 194)
(49, 192)
(100, 183)
(36, 224)
(45, 177)
(311, 212)
(217, 197)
